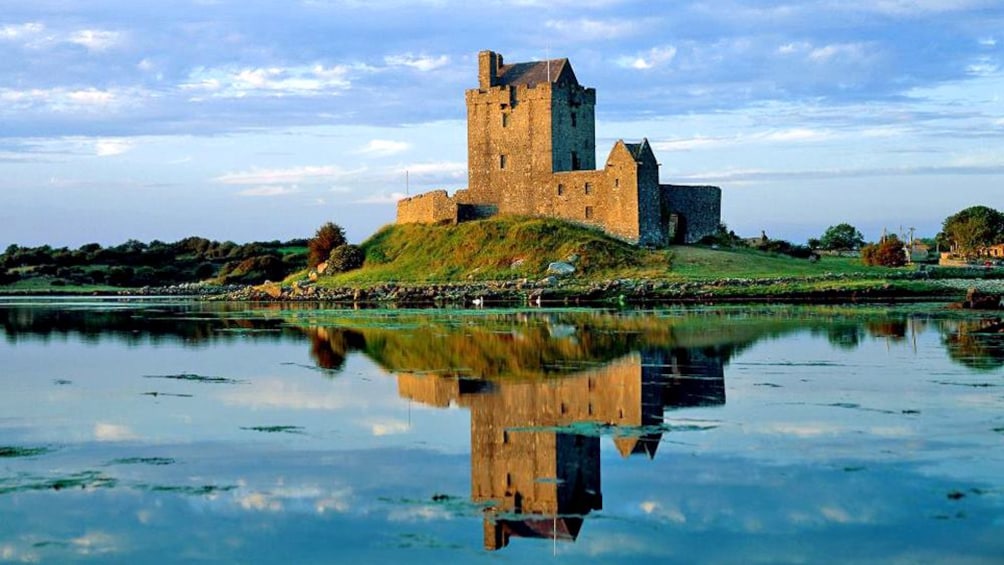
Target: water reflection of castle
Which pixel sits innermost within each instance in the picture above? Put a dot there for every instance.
(540, 476)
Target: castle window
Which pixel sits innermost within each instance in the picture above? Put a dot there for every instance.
(617, 182)
(575, 161)
(589, 212)
(502, 161)
(574, 120)
(589, 188)
(505, 436)
(505, 120)
(561, 189)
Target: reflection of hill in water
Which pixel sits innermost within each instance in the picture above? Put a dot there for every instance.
(542, 389)
(135, 322)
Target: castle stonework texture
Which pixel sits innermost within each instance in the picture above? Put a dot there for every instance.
(531, 150)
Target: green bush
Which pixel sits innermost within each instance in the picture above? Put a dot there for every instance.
(345, 258)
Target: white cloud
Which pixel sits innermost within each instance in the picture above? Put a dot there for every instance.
(911, 7)
(21, 32)
(316, 80)
(96, 39)
(382, 198)
(422, 63)
(988, 41)
(437, 168)
(794, 134)
(384, 147)
(104, 431)
(800, 135)
(269, 190)
(110, 146)
(654, 57)
(837, 50)
(983, 67)
(292, 175)
(65, 100)
(586, 29)
(794, 47)
(686, 144)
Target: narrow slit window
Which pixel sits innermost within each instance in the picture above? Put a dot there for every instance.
(502, 161)
(589, 212)
(617, 183)
(505, 120)
(575, 121)
(561, 189)
(575, 161)
(589, 188)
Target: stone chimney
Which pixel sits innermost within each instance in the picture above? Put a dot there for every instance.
(488, 69)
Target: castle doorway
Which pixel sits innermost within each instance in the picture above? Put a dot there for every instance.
(675, 229)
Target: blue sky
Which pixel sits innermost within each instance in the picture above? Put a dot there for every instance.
(251, 120)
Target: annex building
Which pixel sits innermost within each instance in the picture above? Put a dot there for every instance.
(531, 150)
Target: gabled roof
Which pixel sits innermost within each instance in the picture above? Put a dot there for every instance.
(536, 72)
(639, 150)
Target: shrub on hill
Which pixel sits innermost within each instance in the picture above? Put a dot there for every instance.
(345, 258)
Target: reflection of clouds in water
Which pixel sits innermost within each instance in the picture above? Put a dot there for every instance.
(425, 513)
(104, 431)
(301, 499)
(95, 543)
(801, 429)
(616, 544)
(283, 394)
(670, 514)
(388, 427)
(91, 544)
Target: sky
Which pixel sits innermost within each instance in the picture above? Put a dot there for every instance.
(250, 120)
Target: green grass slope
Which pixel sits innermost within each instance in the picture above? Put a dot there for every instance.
(493, 249)
(510, 248)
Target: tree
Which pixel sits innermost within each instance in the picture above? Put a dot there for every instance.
(841, 237)
(328, 237)
(975, 227)
(887, 253)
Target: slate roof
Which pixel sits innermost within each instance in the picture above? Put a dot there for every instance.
(534, 72)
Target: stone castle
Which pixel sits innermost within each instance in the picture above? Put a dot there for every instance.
(531, 150)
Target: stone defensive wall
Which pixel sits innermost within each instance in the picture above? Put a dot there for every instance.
(428, 208)
(700, 206)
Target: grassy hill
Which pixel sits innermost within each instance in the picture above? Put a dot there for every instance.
(513, 248)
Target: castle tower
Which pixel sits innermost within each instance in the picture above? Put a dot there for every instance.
(526, 121)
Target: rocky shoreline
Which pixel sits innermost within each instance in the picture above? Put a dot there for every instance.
(555, 291)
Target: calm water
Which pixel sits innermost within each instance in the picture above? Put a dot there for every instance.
(172, 431)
